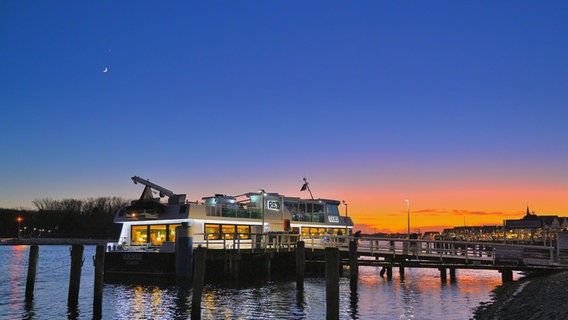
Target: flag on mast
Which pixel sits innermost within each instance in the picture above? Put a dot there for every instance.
(306, 186)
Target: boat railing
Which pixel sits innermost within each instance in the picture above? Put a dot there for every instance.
(244, 213)
(273, 241)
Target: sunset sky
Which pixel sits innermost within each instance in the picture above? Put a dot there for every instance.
(461, 107)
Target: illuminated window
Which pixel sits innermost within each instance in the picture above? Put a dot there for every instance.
(157, 234)
(139, 235)
(172, 231)
(244, 232)
(229, 231)
(213, 231)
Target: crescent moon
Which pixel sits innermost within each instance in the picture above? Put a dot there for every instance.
(105, 70)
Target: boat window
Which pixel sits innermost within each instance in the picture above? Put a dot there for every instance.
(139, 235)
(213, 231)
(172, 231)
(244, 232)
(332, 209)
(318, 208)
(157, 234)
(228, 231)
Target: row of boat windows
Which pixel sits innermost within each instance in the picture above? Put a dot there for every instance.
(156, 234)
(316, 208)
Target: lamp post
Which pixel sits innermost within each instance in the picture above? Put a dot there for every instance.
(19, 222)
(262, 193)
(408, 213)
(345, 204)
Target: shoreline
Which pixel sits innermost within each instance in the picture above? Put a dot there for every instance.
(51, 241)
(531, 297)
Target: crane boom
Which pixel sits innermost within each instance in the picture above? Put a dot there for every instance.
(163, 191)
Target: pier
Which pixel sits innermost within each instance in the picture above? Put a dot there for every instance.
(275, 254)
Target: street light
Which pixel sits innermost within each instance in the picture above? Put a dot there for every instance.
(262, 193)
(345, 204)
(408, 211)
(19, 221)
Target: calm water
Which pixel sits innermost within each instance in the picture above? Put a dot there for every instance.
(421, 295)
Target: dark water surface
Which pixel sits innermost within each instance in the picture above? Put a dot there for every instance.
(421, 295)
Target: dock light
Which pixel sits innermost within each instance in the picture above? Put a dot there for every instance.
(408, 213)
(19, 222)
(345, 204)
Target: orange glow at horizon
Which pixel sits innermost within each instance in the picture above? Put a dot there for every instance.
(435, 210)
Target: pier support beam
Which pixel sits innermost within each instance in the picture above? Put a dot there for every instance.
(32, 266)
(300, 264)
(452, 274)
(332, 283)
(353, 265)
(442, 274)
(401, 272)
(75, 276)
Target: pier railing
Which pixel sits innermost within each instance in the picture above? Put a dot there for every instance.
(464, 252)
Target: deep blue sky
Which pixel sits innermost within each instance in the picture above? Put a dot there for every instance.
(230, 96)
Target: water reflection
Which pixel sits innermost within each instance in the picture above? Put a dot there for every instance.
(419, 295)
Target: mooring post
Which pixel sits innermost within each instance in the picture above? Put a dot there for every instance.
(32, 266)
(332, 283)
(389, 272)
(198, 279)
(506, 275)
(184, 251)
(75, 276)
(98, 286)
(300, 264)
(353, 265)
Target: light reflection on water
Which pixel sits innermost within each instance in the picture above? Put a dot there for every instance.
(420, 295)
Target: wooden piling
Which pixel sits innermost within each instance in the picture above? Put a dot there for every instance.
(353, 265)
(389, 273)
(98, 286)
(442, 274)
(401, 272)
(300, 264)
(452, 274)
(506, 275)
(332, 283)
(75, 276)
(198, 279)
(32, 266)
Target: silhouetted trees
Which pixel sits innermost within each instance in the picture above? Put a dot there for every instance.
(67, 218)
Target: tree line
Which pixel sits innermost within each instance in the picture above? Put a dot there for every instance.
(67, 218)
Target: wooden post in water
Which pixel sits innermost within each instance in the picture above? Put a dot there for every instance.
(353, 265)
(332, 283)
(452, 274)
(300, 264)
(32, 266)
(442, 274)
(98, 286)
(506, 275)
(389, 272)
(75, 276)
(401, 271)
(198, 279)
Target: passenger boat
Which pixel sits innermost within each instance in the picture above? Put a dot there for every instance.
(149, 224)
